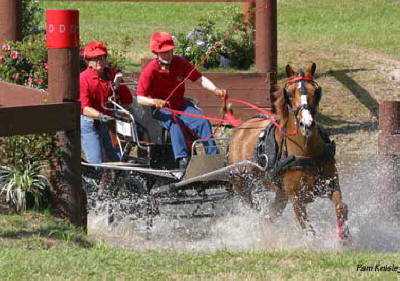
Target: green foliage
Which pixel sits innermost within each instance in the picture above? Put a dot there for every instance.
(31, 17)
(17, 183)
(22, 167)
(197, 43)
(236, 51)
(117, 58)
(239, 48)
(17, 151)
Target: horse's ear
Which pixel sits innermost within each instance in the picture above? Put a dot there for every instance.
(311, 69)
(289, 71)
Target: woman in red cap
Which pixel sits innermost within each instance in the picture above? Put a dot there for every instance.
(159, 79)
(95, 88)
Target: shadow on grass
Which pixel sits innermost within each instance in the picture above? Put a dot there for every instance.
(348, 127)
(61, 233)
(360, 93)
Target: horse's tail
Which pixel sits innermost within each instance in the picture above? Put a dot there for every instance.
(227, 112)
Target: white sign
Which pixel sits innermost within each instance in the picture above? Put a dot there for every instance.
(123, 128)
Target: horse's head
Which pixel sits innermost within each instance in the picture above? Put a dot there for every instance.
(299, 95)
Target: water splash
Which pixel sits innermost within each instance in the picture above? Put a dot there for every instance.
(373, 228)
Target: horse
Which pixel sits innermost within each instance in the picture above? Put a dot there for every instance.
(295, 164)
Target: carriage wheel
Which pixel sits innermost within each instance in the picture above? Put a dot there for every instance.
(131, 183)
(132, 191)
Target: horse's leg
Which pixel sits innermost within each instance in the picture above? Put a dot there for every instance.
(279, 204)
(299, 207)
(239, 186)
(341, 215)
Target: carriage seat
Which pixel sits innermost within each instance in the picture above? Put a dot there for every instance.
(149, 129)
(144, 130)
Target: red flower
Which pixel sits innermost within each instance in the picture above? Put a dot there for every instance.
(14, 55)
(39, 81)
(6, 47)
(30, 80)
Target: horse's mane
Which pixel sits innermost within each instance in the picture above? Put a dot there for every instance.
(280, 104)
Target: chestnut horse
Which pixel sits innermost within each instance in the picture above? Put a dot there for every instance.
(303, 165)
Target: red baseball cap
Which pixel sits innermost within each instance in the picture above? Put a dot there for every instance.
(94, 49)
(161, 42)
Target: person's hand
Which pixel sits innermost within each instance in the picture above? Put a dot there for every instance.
(159, 103)
(105, 118)
(219, 92)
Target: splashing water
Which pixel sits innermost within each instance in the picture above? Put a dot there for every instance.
(373, 228)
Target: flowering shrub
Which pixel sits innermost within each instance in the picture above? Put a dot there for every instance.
(197, 42)
(237, 51)
(25, 63)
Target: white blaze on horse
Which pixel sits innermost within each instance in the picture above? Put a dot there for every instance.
(297, 155)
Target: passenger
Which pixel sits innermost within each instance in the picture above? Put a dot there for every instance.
(95, 88)
(159, 79)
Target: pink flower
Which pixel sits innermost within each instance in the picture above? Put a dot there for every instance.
(6, 47)
(46, 65)
(14, 55)
(30, 80)
(14, 76)
(39, 81)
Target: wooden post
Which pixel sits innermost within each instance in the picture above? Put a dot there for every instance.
(62, 39)
(266, 41)
(389, 154)
(10, 20)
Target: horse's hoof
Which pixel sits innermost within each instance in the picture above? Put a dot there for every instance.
(310, 232)
(346, 238)
(346, 242)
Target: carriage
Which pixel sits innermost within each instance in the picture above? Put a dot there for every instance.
(147, 168)
(291, 157)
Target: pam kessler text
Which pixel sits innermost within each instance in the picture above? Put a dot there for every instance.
(378, 267)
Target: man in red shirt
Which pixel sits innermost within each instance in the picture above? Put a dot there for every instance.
(160, 84)
(95, 88)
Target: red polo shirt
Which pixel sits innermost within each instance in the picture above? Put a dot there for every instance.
(159, 84)
(94, 91)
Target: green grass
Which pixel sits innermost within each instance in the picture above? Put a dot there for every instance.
(372, 25)
(36, 246)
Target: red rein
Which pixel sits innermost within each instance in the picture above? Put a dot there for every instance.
(230, 119)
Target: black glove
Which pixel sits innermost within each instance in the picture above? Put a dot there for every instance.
(105, 118)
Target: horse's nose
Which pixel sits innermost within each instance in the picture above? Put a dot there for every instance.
(308, 125)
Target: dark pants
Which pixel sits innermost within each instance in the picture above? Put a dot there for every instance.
(201, 127)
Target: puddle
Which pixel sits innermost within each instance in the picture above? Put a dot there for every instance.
(372, 226)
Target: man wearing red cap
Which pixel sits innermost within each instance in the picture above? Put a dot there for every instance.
(162, 77)
(95, 88)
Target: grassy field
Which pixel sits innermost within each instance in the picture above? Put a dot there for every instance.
(38, 247)
(371, 25)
